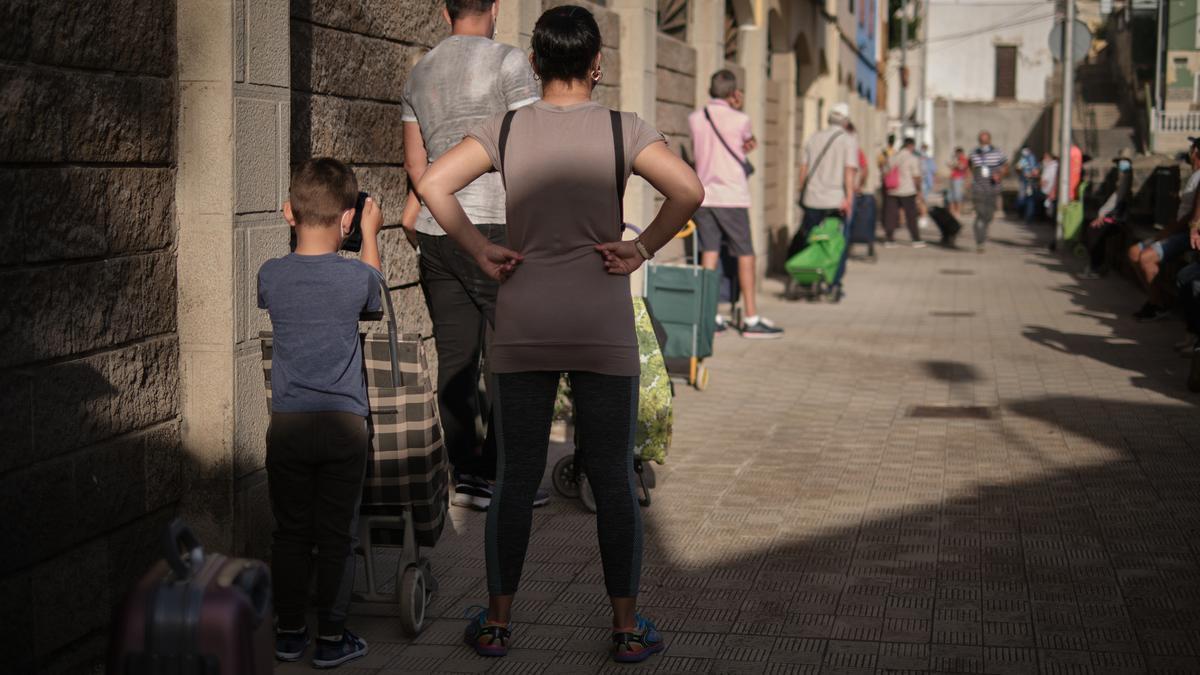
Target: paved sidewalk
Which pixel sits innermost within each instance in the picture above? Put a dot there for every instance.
(1041, 518)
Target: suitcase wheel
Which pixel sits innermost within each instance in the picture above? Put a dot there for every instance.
(566, 483)
(585, 494)
(414, 593)
(701, 382)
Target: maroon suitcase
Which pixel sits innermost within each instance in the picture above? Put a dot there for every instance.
(196, 614)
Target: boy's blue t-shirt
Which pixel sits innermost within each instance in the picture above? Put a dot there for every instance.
(314, 302)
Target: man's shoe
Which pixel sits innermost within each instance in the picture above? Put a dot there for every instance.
(332, 653)
(485, 637)
(918, 244)
(639, 644)
(889, 244)
(541, 498)
(979, 248)
(472, 493)
(1187, 344)
(836, 294)
(1151, 312)
(1089, 273)
(1194, 376)
(761, 330)
(722, 325)
(291, 644)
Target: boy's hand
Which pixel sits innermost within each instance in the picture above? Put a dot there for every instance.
(372, 218)
(620, 257)
(498, 262)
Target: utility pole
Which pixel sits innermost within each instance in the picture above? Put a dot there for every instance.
(1068, 87)
(922, 111)
(903, 70)
(1158, 59)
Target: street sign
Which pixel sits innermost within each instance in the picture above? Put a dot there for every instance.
(1080, 36)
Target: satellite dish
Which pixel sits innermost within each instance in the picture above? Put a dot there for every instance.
(1081, 37)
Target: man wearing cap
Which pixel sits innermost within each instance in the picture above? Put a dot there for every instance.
(988, 165)
(1148, 256)
(828, 174)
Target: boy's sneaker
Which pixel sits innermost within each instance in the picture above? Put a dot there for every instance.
(472, 493)
(331, 653)
(487, 638)
(639, 644)
(1151, 312)
(761, 329)
(290, 644)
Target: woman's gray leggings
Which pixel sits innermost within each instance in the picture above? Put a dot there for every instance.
(605, 417)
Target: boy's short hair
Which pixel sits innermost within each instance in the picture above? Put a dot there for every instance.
(322, 190)
(458, 8)
(722, 84)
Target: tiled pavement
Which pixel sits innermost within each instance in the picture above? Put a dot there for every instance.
(807, 522)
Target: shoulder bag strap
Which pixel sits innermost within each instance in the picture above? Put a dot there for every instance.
(719, 137)
(619, 155)
(504, 128)
(812, 169)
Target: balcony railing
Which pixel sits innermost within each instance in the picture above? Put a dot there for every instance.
(1175, 122)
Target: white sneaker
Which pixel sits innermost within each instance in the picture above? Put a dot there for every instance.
(918, 244)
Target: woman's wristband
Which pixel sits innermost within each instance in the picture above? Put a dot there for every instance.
(642, 250)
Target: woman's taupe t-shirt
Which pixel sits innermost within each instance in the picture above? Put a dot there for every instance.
(560, 310)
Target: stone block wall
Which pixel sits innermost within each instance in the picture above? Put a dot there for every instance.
(349, 65)
(676, 94)
(91, 460)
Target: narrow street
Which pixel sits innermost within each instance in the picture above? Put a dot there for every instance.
(974, 464)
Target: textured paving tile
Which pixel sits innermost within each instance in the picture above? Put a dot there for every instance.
(807, 523)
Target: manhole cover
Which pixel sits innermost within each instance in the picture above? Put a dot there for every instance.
(951, 315)
(960, 273)
(952, 412)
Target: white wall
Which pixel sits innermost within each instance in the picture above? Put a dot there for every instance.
(963, 67)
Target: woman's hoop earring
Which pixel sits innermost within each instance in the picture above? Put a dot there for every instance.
(596, 75)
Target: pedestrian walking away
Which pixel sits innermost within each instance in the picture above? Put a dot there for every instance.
(439, 108)
(317, 438)
(902, 178)
(721, 138)
(564, 305)
(828, 176)
(988, 166)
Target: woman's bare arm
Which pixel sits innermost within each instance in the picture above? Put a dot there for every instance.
(450, 173)
(672, 177)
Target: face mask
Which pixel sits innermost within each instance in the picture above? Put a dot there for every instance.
(1124, 165)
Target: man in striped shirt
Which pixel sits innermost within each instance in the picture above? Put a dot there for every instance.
(988, 166)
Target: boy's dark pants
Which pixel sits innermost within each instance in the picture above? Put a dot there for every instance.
(315, 467)
(462, 304)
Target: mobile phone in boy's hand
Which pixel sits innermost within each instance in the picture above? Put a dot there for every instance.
(353, 241)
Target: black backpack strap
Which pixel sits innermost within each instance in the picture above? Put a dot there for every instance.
(619, 155)
(504, 128)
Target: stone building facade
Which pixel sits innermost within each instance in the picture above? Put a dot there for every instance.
(143, 167)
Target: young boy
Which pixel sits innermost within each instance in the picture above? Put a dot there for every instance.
(317, 441)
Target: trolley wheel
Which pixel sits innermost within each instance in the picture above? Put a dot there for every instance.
(585, 494)
(414, 597)
(701, 381)
(648, 475)
(563, 477)
(693, 362)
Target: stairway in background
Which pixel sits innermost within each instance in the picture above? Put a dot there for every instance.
(1101, 121)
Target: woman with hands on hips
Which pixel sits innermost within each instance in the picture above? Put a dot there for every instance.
(564, 306)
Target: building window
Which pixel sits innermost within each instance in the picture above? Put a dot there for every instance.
(1006, 72)
(672, 18)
